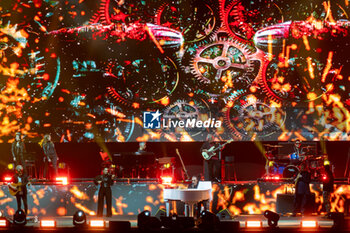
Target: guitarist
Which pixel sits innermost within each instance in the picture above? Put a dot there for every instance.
(213, 164)
(21, 179)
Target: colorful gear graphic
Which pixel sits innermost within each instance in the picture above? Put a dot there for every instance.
(84, 123)
(182, 109)
(12, 46)
(242, 19)
(121, 11)
(46, 69)
(113, 122)
(196, 24)
(298, 79)
(194, 108)
(38, 72)
(225, 65)
(248, 117)
(134, 84)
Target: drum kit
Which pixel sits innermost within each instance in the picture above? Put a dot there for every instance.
(288, 166)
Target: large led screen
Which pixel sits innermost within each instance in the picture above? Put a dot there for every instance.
(150, 70)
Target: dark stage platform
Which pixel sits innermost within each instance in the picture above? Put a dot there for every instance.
(131, 198)
(233, 202)
(286, 222)
(128, 223)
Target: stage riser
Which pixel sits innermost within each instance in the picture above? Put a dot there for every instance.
(131, 199)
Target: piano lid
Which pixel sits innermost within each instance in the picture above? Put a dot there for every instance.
(187, 195)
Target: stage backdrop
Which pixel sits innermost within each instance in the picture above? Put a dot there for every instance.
(150, 70)
(131, 199)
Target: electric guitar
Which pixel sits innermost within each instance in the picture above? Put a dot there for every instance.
(208, 153)
(182, 163)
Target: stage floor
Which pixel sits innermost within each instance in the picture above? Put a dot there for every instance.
(285, 222)
(67, 221)
(238, 198)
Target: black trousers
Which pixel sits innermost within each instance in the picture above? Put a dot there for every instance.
(19, 160)
(46, 167)
(19, 203)
(213, 171)
(102, 194)
(300, 203)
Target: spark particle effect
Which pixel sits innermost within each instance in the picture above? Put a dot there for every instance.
(88, 73)
(131, 199)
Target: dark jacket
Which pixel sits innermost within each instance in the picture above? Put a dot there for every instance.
(18, 150)
(24, 182)
(303, 183)
(49, 150)
(328, 182)
(193, 186)
(107, 181)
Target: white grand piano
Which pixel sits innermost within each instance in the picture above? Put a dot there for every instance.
(188, 196)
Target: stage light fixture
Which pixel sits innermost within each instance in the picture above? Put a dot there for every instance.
(253, 224)
(97, 223)
(47, 223)
(79, 218)
(224, 214)
(146, 221)
(3, 222)
(8, 178)
(19, 218)
(272, 178)
(11, 166)
(272, 218)
(62, 180)
(308, 224)
(166, 180)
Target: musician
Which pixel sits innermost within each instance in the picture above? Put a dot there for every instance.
(143, 155)
(271, 167)
(194, 184)
(20, 178)
(328, 188)
(298, 150)
(213, 164)
(302, 190)
(50, 155)
(142, 148)
(105, 181)
(18, 149)
(106, 160)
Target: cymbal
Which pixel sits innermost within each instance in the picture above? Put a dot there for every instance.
(275, 146)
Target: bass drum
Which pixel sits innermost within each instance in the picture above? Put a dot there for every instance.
(290, 171)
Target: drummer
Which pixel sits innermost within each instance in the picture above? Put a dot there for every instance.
(297, 154)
